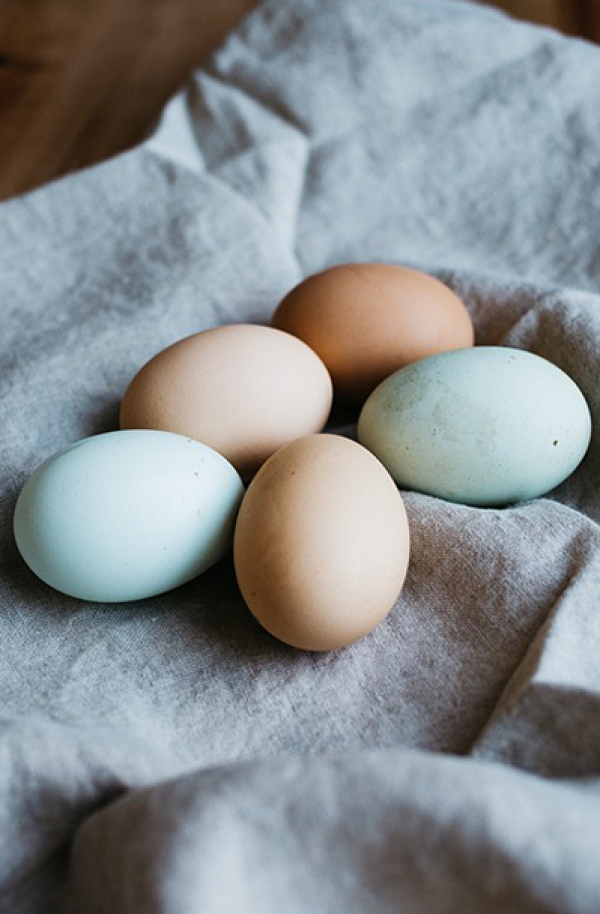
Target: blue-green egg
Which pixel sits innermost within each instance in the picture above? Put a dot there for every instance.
(127, 515)
(484, 426)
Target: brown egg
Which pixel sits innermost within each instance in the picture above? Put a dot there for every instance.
(244, 390)
(368, 320)
(321, 543)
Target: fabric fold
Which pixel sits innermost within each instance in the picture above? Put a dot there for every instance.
(382, 832)
(432, 133)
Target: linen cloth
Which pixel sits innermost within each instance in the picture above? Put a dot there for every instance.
(170, 757)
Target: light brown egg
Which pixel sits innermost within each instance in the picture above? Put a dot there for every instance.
(321, 543)
(368, 320)
(244, 390)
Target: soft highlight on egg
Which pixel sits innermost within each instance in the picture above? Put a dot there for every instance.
(486, 426)
(321, 544)
(244, 390)
(367, 320)
(127, 515)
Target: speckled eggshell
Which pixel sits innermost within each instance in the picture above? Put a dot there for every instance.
(367, 320)
(321, 543)
(484, 426)
(244, 390)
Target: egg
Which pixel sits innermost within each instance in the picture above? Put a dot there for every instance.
(484, 426)
(321, 544)
(127, 515)
(244, 390)
(367, 320)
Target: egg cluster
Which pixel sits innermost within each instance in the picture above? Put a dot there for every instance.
(320, 537)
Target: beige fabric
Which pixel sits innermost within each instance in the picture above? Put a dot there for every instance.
(431, 133)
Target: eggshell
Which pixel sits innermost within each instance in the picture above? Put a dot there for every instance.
(244, 390)
(321, 543)
(127, 515)
(368, 320)
(483, 426)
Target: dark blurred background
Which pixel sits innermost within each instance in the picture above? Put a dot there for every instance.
(575, 17)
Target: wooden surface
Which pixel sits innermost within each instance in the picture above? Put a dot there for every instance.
(81, 80)
(574, 17)
(590, 19)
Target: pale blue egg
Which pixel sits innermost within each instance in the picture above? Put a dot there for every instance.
(483, 426)
(127, 515)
